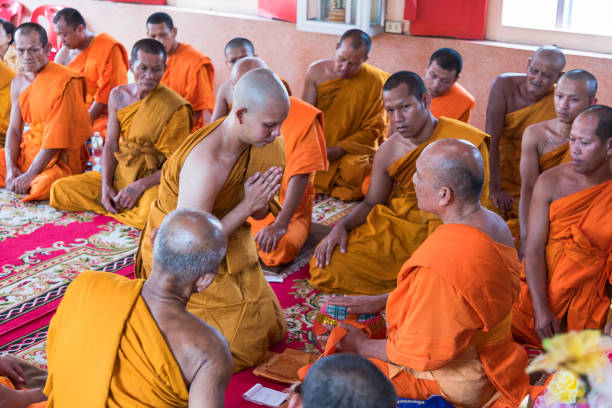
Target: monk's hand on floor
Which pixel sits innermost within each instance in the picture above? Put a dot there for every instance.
(502, 199)
(337, 236)
(362, 304)
(108, 195)
(259, 189)
(546, 323)
(21, 183)
(128, 196)
(267, 238)
(9, 368)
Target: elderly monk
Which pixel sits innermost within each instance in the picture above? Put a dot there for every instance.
(51, 99)
(448, 98)
(348, 92)
(152, 121)
(567, 260)
(449, 317)
(230, 168)
(280, 238)
(515, 102)
(365, 251)
(101, 59)
(149, 350)
(189, 72)
(546, 144)
(6, 76)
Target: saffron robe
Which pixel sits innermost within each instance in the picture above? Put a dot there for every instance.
(54, 107)
(240, 302)
(132, 365)
(579, 266)
(151, 130)
(456, 103)
(304, 154)
(356, 121)
(6, 76)
(555, 157)
(377, 249)
(449, 322)
(104, 64)
(192, 75)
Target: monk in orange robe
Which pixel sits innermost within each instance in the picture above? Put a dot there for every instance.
(231, 168)
(546, 144)
(348, 92)
(51, 99)
(448, 320)
(515, 102)
(364, 252)
(6, 76)
(152, 121)
(567, 269)
(101, 59)
(189, 72)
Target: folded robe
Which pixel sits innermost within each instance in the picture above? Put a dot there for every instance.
(555, 157)
(377, 249)
(6, 76)
(54, 107)
(305, 153)
(151, 130)
(240, 303)
(579, 266)
(456, 103)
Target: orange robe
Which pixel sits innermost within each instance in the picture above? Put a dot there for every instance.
(555, 157)
(377, 249)
(54, 107)
(113, 354)
(355, 120)
(456, 103)
(305, 153)
(449, 322)
(240, 303)
(104, 64)
(192, 75)
(579, 266)
(6, 76)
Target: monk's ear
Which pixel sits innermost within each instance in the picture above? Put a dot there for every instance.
(528, 63)
(153, 235)
(295, 401)
(240, 114)
(174, 32)
(593, 102)
(456, 78)
(445, 196)
(47, 48)
(426, 99)
(204, 281)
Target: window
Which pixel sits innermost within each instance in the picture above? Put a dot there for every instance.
(337, 16)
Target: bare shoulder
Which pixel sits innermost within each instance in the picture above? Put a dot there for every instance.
(557, 182)
(535, 132)
(63, 56)
(508, 82)
(19, 83)
(121, 96)
(225, 91)
(320, 71)
(496, 228)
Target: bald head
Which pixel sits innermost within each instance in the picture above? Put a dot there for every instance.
(257, 89)
(551, 54)
(189, 244)
(245, 65)
(602, 115)
(584, 76)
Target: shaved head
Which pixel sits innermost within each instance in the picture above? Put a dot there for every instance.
(552, 54)
(357, 39)
(583, 76)
(603, 115)
(240, 42)
(258, 88)
(245, 65)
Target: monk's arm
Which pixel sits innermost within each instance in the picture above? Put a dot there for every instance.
(530, 170)
(111, 145)
(207, 390)
(13, 136)
(129, 196)
(310, 87)
(95, 110)
(222, 104)
(20, 398)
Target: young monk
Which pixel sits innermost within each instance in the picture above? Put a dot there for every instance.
(546, 144)
(449, 319)
(348, 92)
(364, 251)
(567, 259)
(189, 72)
(51, 99)
(147, 123)
(101, 59)
(515, 102)
(6, 76)
(230, 168)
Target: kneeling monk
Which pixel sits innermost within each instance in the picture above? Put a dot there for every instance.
(229, 168)
(568, 269)
(449, 318)
(152, 121)
(50, 98)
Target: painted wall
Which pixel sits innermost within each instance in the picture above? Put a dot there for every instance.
(289, 52)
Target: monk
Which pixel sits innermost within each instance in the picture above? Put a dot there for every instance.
(230, 168)
(147, 123)
(101, 59)
(365, 251)
(546, 144)
(448, 98)
(280, 238)
(189, 72)
(6, 76)
(149, 350)
(448, 320)
(50, 98)
(348, 92)
(515, 102)
(567, 270)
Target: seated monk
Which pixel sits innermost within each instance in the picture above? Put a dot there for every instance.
(101, 59)
(348, 92)
(515, 102)
(365, 251)
(448, 320)
(189, 72)
(280, 238)
(567, 269)
(152, 121)
(546, 144)
(229, 168)
(50, 98)
(6, 76)
(148, 350)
